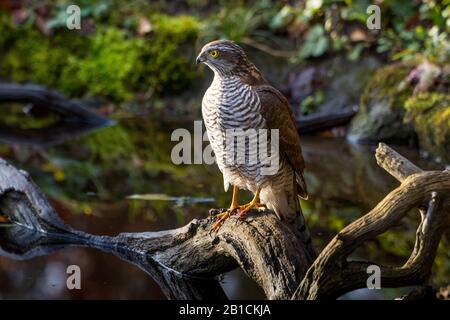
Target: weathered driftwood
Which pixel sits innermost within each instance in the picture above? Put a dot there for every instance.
(37, 230)
(332, 274)
(267, 249)
(185, 261)
(77, 117)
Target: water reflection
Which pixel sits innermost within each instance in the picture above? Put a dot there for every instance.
(40, 126)
(89, 179)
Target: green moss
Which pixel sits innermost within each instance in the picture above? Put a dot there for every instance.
(390, 112)
(312, 102)
(111, 68)
(164, 68)
(385, 85)
(31, 56)
(179, 28)
(381, 108)
(430, 114)
(112, 62)
(6, 27)
(108, 144)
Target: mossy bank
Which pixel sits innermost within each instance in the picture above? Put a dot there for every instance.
(391, 112)
(111, 63)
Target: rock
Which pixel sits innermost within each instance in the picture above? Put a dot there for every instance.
(339, 80)
(392, 109)
(382, 111)
(305, 83)
(346, 80)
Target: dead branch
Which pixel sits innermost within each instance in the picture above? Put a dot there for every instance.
(319, 122)
(44, 97)
(76, 117)
(263, 246)
(332, 274)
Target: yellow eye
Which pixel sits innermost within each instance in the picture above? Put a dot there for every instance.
(214, 53)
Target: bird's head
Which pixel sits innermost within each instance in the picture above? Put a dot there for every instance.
(223, 57)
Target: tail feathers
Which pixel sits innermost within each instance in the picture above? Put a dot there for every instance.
(286, 205)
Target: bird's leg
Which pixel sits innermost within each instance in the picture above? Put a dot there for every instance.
(225, 215)
(234, 200)
(255, 203)
(261, 206)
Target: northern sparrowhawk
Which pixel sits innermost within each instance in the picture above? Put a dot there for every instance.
(240, 98)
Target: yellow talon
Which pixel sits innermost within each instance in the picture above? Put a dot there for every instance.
(225, 215)
(242, 210)
(255, 203)
(222, 217)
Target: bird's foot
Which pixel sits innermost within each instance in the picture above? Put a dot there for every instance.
(243, 210)
(260, 206)
(222, 217)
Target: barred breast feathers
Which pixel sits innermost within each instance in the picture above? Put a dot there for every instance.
(231, 104)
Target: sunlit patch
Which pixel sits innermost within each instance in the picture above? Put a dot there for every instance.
(87, 210)
(57, 171)
(179, 201)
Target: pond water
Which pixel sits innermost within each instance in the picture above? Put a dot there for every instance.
(89, 179)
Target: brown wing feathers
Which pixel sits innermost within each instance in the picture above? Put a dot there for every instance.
(278, 114)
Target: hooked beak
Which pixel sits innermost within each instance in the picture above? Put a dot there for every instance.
(200, 58)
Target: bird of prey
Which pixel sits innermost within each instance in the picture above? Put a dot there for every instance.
(240, 98)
